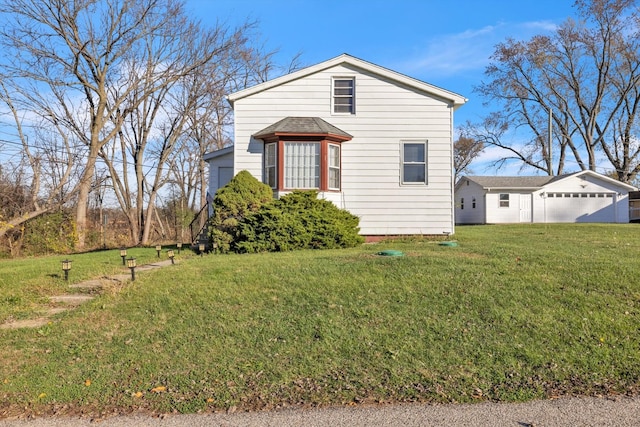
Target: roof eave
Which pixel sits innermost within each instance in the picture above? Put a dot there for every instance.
(453, 98)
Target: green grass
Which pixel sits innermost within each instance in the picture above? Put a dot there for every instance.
(510, 314)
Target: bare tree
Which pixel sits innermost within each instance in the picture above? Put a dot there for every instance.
(465, 150)
(42, 177)
(82, 62)
(586, 73)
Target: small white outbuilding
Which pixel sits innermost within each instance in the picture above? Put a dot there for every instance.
(584, 196)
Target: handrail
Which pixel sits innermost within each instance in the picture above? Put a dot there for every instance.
(202, 224)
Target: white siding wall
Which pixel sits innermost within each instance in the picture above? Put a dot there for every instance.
(468, 190)
(386, 114)
(224, 161)
(501, 215)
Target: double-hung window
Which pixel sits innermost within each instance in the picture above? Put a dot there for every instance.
(334, 167)
(344, 96)
(270, 165)
(414, 162)
(504, 200)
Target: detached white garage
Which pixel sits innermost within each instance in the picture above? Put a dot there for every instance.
(584, 196)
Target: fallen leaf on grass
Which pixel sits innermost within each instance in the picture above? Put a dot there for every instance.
(87, 382)
(159, 389)
(137, 394)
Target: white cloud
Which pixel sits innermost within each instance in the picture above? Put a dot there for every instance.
(468, 50)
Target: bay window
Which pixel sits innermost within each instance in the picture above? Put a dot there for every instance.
(302, 153)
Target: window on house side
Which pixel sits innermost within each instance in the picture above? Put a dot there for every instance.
(462, 203)
(334, 167)
(504, 200)
(414, 162)
(344, 96)
(302, 165)
(473, 203)
(270, 165)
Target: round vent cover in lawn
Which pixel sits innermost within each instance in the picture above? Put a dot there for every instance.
(390, 252)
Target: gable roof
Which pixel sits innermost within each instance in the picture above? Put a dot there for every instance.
(302, 125)
(512, 182)
(218, 153)
(536, 182)
(454, 98)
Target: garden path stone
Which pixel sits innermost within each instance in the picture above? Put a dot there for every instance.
(89, 288)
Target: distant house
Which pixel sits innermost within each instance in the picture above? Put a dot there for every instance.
(584, 196)
(371, 140)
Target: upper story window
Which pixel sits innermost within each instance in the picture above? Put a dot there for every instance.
(344, 96)
(414, 162)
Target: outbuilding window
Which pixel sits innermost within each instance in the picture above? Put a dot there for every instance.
(504, 200)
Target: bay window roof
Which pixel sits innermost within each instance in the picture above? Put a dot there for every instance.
(303, 126)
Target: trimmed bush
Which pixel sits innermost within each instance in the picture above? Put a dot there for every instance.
(298, 220)
(242, 195)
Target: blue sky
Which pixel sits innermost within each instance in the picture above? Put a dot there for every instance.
(445, 43)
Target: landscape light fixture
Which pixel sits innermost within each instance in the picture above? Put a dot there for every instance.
(201, 248)
(66, 266)
(179, 245)
(131, 263)
(158, 249)
(123, 254)
(171, 255)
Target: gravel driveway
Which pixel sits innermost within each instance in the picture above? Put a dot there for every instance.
(574, 412)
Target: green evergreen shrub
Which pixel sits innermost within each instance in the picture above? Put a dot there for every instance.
(298, 220)
(242, 195)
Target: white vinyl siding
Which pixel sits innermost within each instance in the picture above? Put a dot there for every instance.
(302, 165)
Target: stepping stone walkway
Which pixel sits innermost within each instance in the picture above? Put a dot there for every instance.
(89, 288)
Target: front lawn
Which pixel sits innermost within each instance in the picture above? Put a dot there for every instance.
(510, 314)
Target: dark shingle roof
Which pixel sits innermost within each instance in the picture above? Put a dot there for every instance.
(513, 181)
(302, 125)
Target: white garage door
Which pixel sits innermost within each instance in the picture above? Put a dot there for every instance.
(581, 207)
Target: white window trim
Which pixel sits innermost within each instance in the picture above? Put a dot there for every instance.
(267, 166)
(338, 167)
(426, 161)
(333, 96)
(500, 201)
